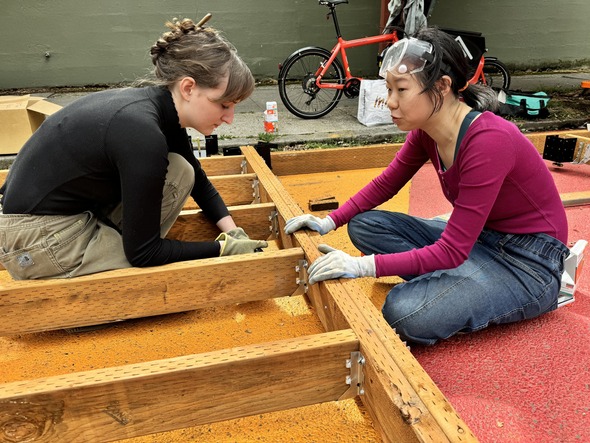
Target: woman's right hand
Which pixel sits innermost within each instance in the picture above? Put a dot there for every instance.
(321, 225)
(239, 243)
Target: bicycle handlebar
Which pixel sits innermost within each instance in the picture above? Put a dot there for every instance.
(331, 3)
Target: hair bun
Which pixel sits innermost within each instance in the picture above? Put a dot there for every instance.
(178, 29)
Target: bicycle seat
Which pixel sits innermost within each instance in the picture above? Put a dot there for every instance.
(332, 2)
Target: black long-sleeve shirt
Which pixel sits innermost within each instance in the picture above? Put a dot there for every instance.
(106, 148)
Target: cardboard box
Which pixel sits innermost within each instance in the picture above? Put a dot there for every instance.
(20, 116)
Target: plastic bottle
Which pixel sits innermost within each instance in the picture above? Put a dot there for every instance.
(271, 117)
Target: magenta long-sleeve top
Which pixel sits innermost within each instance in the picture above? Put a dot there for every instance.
(498, 181)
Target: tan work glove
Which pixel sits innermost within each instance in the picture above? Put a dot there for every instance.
(238, 244)
(238, 234)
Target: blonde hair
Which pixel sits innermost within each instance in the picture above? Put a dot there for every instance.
(203, 54)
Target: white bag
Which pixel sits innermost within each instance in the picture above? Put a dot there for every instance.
(373, 110)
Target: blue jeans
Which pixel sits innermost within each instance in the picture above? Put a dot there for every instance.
(507, 277)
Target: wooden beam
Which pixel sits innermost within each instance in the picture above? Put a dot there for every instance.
(192, 225)
(538, 138)
(129, 401)
(3, 174)
(219, 165)
(336, 159)
(575, 198)
(234, 189)
(405, 403)
(39, 305)
(271, 190)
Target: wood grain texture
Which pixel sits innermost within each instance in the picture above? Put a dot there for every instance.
(39, 305)
(336, 159)
(234, 189)
(220, 165)
(192, 225)
(575, 198)
(398, 383)
(127, 401)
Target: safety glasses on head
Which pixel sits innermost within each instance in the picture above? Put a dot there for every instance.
(406, 56)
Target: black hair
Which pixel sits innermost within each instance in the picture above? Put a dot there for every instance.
(450, 60)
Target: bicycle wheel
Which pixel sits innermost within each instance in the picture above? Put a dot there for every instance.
(496, 74)
(297, 87)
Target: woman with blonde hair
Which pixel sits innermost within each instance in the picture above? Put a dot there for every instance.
(101, 182)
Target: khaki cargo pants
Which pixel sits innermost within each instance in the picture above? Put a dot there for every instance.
(63, 246)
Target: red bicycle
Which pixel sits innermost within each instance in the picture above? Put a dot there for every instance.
(312, 79)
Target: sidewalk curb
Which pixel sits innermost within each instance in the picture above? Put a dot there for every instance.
(381, 136)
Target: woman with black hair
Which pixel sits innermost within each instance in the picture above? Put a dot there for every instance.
(499, 258)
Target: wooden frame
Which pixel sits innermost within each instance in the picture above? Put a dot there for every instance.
(128, 401)
(119, 402)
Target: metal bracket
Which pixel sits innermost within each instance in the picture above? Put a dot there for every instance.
(244, 166)
(356, 379)
(302, 279)
(583, 153)
(559, 150)
(256, 188)
(273, 218)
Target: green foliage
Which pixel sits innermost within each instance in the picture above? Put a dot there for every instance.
(267, 136)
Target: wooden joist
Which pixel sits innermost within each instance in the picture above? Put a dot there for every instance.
(575, 198)
(256, 220)
(582, 142)
(218, 165)
(213, 166)
(337, 159)
(39, 305)
(235, 190)
(192, 225)
(404, 402)
(128, 401)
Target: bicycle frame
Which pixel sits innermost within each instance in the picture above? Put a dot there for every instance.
(342, 45)
(478, 75)
(340, 48)
(312, 81)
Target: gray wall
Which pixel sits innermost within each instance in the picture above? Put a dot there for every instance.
(524, 33)
(107, 42)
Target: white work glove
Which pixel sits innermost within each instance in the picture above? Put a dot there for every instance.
(337, 264)
(321, 225)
